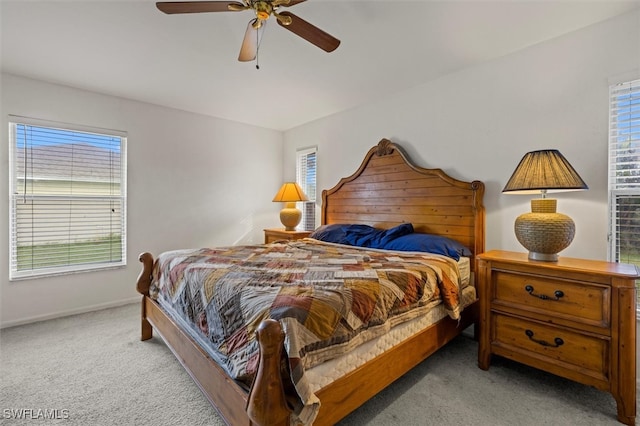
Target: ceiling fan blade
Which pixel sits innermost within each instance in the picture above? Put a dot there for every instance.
(171, 7)
(251, 42)
(309, 32)
(287, 3)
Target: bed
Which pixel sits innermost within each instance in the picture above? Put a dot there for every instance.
(387, 192)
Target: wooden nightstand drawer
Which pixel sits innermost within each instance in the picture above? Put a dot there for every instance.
(550, 344)
(576, 301)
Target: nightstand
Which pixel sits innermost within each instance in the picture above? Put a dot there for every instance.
(574, 318)
(271, 235)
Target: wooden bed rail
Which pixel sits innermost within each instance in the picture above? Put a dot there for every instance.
(265, 404)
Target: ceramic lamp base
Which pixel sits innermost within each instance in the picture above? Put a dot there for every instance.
(543, 231)
(290, 216)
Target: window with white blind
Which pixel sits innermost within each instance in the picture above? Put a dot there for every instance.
(624, 172)
(306, 178)
(67, 196)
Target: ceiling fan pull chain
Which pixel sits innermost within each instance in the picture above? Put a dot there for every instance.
(257, 50)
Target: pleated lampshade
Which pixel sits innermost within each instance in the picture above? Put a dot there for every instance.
(543, 231)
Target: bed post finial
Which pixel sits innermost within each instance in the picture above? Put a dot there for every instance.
(266, 405)
(144, 278)
(385, 147)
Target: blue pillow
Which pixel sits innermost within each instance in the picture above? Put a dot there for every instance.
(429, 243)
(337, 232)
(360, 235)
(367, 236)
(333, 233)
(395, 232)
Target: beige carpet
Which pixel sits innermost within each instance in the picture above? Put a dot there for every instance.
(93, 370)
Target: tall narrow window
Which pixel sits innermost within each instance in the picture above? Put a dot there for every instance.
(68, 198)
(624, 172)
(306, 178)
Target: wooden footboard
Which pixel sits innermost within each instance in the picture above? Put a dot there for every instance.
(265, 405)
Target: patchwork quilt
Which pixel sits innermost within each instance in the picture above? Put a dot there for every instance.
(328, 298)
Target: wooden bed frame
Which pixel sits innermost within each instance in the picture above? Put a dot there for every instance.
(385, 191)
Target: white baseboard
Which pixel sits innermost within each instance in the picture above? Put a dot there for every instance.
(60, 314)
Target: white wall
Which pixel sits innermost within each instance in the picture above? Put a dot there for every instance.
(478, 123)
(196, 180)
(192, 181)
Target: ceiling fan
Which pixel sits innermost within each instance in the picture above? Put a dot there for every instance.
(263, 10)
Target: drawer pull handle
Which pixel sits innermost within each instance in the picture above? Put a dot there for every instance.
(558, 294)
(557, 341)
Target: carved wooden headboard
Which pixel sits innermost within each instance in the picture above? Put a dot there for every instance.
(388, 189)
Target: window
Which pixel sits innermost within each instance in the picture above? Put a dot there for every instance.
(306, 178)
(68, 198)
(624, 172)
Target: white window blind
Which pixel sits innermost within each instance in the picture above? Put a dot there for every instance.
(68, 198)
(624, 172)
(306, 178)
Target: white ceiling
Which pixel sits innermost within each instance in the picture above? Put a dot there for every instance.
(130, 49)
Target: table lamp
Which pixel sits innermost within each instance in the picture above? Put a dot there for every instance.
(543, 231)
(290, 193)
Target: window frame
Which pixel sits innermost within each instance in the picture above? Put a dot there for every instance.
(15, 272)
(308, 207)
(620, 187)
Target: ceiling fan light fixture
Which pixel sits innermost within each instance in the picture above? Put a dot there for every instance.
(263, 10)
